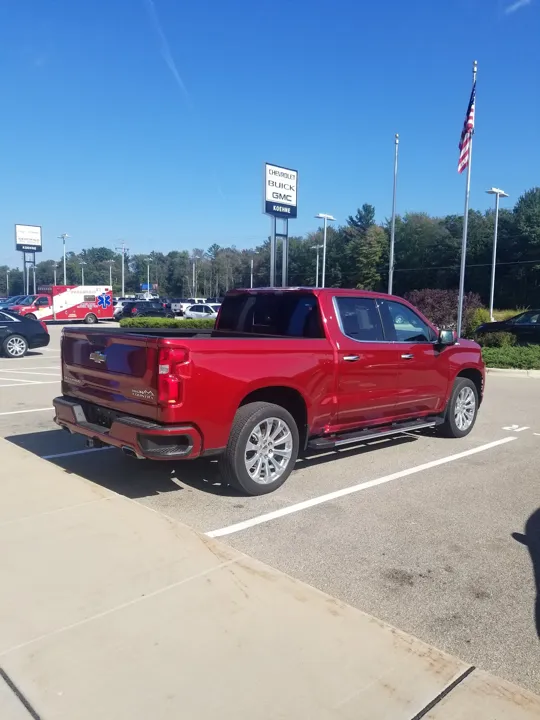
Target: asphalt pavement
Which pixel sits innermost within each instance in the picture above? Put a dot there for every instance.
(434, 536)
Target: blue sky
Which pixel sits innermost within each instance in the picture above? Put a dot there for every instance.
(150, 120)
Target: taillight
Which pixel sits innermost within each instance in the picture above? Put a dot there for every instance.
(43, 326)
(170, 375)
(133, 311)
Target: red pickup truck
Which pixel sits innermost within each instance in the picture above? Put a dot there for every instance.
(284, 370)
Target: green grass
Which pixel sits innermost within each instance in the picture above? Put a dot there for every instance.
(158, 322)
(520, 357)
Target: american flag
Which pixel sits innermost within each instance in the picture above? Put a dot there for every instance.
(467, 133)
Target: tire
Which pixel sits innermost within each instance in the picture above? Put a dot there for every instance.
(15, 346)
(463, 390)
(30, 316)
(248, 419)
(90, 319)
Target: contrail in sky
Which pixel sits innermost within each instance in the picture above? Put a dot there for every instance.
(516, 6)
(166, 50)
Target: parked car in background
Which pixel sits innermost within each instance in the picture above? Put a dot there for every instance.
(525, 327)
(19, 334)
(11, 301)
(119, 307)
(206, 312)
(185, 303)
(144, 308)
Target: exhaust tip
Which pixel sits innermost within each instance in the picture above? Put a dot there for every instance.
(130, 452)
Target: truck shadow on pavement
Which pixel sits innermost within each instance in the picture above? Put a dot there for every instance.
(531, 539)
(143, 478)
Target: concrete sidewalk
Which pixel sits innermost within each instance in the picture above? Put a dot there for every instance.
(109, 610)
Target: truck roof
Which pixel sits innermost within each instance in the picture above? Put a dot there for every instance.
(314, 290)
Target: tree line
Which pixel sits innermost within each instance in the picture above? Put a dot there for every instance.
(427, 255)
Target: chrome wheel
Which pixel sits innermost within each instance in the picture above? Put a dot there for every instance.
(16, 346)
(268, 450)
(465, 408)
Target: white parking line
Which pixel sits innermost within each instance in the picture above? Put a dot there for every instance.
(43, 367)
(27, 372)
(76, 452)
(237, 527)
(21, 383)
(19, 412)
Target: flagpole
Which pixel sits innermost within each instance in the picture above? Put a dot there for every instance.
(465, 226)
(393, 226)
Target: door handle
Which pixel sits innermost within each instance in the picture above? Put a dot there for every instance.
(408, 356)
(351, 358)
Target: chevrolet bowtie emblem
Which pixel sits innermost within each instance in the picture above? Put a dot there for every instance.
(98, 357)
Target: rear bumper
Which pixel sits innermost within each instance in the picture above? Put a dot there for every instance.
(38, 341)
(142, 438)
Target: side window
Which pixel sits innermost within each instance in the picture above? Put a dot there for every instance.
(408, 327)
(359, 318)
(5, 318)
(526, 318)
(42, 301)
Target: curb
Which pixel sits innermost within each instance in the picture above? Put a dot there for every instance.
(513, 372)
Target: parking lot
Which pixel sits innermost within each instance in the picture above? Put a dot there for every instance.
(431, 535)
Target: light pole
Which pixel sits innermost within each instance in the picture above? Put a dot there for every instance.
(123, 249)
(111, 263)
(393, 225)
(34, 277)
(54, 272)
(148, 261)
(498, 194)
(251, 270)
(7, 283)
(326, 218)
(316, 247)
(82, 264)
(194, 276)
(63, 237)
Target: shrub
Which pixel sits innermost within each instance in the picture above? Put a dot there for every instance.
(521, 357)
(496, 339)
(159, 322)
(440, 306)
(474, 319)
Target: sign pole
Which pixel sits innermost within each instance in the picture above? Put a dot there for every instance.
(285, 254)
(273, 253)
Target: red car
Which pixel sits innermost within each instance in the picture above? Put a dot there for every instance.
(284, 370)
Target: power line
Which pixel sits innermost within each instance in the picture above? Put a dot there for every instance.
(454, 267)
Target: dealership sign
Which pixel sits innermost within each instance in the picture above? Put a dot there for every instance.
(280, 191)
(28, 238)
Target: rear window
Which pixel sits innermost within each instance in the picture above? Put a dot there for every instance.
(288, 314)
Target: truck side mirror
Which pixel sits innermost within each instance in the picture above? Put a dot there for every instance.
(447, 337)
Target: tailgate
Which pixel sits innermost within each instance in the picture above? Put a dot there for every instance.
(116, 371)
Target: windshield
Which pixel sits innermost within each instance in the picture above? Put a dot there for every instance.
(28, 300)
